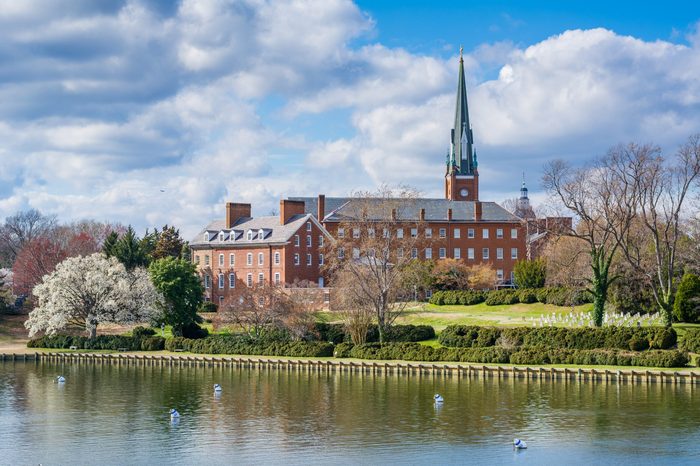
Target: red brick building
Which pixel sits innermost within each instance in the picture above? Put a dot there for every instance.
(241, 250)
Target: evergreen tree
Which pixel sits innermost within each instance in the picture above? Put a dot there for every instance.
(168, 244)
(530, 273)
(110, 243)
(686, 306)
(129, 250)
(182, 291)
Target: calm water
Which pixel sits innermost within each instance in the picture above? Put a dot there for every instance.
(119, 415)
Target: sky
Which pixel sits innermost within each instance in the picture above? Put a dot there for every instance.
(158, 112)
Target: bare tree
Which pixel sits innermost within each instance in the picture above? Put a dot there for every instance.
(20, 229)
(382, 233)
(661, 186)
(604, 208)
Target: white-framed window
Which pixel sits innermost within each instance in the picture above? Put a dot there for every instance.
(261, 300)
(250, 236)
(399, 233)
(320, 259)
(456, 233)
(261, 258)
(499, 253)
(341, 232)
(485, 253)
(428, 253)
(414, 253)
(320, 241)
(261, 234)
(513, 253)
(296, 240)
(232, 280)
(231, 259)
(221, 281)
(196, 259)
(370, 232)
(308, 241)
(221, 236)
(206, 236)
(485, 233)
(399, 253)
(308, 259)
(499, 233)
(249, 280)
(371, 252)
(221, 260)
(206, 260)
(414, 232)
(261, 278)
(499, 274)
(277, 278)
(221, 301)
(514, 233)
(249, 258)
(442, 252)
(341, 253)
(458, 253)
(277, 258)
(355, 253)
(308, 226)
(470, 233)
(470, 253)
(355, 232)
(443, 232)
(207, 281)
(428, 232)
(385, 233)
(296, 259)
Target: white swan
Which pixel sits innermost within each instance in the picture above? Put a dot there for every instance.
(60, 379)
(519, 444)
(438, 398)
(174, 414)
(217, 388)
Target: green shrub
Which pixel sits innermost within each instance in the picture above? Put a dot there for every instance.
(153, 344)
(638, 343)
(342, 350)
(500, 297)
(335, 333)
(207, 306)
(464, 297)
(530, 273)
(691, 340)
(527, 296)
(140, 332)
(238, 344)
(194, 331)
(686, 305)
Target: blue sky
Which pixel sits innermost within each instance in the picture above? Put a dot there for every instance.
(148, 112)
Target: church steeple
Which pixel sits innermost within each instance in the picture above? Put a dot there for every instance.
(462, 137)
(462, 177)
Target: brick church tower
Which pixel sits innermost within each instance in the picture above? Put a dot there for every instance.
(462, 176)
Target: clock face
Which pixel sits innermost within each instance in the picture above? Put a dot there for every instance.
(463, 192)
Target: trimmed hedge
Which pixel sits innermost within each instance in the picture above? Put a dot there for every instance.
(233, 344)
(101, 342)
(466, 297)
(523, 355)
(499, 297)
(335, 333)
(557, 296)
(627, 338)
(691, 340)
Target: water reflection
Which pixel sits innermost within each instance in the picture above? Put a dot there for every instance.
(120, 415)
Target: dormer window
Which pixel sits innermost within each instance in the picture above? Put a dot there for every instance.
(261, 234)
(250, 236)
(221, 236)
(206, 236)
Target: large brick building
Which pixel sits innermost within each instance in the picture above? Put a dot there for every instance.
(241, 250)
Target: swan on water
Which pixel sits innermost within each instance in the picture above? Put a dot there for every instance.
(174, 414)
(217, 387)
(60, 379)
(519, 444)
(438, 398)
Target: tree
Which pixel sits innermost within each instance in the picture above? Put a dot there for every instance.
(530, 273)
(167, 243)
(36, 259)
(258, 311)
(110, 243)
(604, 210)
(6, 298)
(178, 282)
(88, 291)
(451, 274)
(368, 263)
(658, 186)
(20, 229)
(129, 250)
(418, 276)
(686, 307)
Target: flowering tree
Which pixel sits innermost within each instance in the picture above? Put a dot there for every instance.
(87, 291)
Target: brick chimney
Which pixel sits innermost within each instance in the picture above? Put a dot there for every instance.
(321, 207)
(449, 215)
(421, 215)
(235, 211)
(393, 215)
(289, 209)
(477, 211)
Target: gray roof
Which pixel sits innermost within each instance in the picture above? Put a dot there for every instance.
(339, 209)
(273, 232)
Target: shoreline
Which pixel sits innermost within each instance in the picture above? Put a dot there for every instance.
(621, 374)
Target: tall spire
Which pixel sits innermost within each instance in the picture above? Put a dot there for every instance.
(463, 152)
